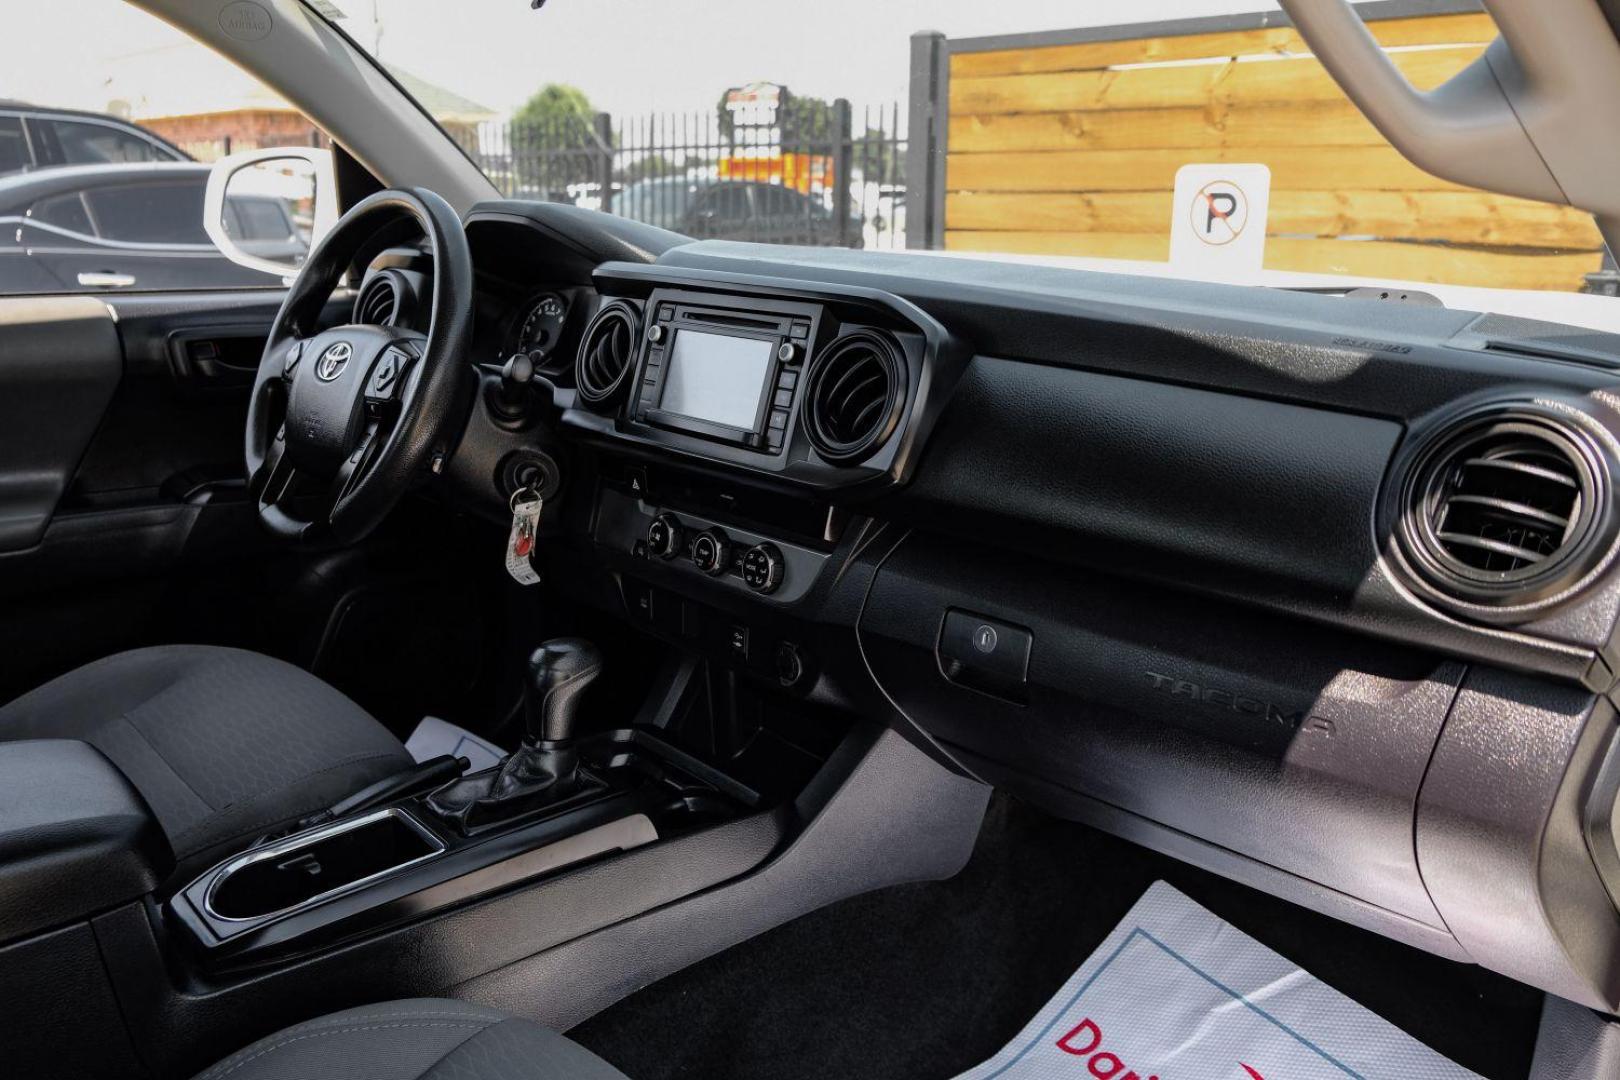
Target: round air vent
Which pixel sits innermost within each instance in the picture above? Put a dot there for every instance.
(379, 301)
(607, 353)
(854, 397)
(1508, 509)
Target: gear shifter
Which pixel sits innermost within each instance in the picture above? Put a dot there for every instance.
(545, 769)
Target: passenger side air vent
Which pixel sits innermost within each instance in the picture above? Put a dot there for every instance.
(607, 353)
(855, 394)
(379, 301)
(1508, 509)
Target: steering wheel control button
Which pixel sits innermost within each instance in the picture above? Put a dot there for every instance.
(360, 451)
(711, 553)
(289, 362)
(387, 375)
(985, 654)
(762, 568)
(664, 537)
(387, 371)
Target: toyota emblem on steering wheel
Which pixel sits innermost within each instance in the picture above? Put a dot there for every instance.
(333, 361)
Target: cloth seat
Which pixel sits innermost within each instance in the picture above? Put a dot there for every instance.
(418, 1039)
(223, 744)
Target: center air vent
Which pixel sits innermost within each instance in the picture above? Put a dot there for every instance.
(607, 353)
(1509, 509)
(379, 301)
(856, 391)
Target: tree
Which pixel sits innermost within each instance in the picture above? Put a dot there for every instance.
(554, 140)
(556, 106)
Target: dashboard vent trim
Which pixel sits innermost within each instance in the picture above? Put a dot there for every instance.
(1508, 509)
(607, 353)
(379, 302)
(856, 391)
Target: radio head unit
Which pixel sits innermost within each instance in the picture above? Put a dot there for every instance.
(723, 374)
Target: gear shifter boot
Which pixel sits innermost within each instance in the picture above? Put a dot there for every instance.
(544, 770)
(533, 776)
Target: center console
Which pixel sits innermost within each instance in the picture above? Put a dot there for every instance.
(557, 800)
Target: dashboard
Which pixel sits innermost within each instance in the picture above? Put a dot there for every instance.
(1312, 591)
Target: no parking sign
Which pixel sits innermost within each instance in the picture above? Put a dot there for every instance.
(1218, 224)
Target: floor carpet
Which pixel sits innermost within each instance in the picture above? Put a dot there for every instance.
(920, 982)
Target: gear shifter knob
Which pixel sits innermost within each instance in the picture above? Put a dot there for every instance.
(559, 672)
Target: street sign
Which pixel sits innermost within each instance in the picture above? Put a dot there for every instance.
(1218, 223)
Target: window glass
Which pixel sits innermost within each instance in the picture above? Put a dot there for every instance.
(779, 202)
(150, 213)
(65, 212)
(138, 110)
(662, 202)
(726, 202)
(13, 146)
(1056, 131)
(84, 143)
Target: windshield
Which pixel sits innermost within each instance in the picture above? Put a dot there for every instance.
(1193, 138)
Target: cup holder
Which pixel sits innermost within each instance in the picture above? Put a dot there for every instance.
(319, 865)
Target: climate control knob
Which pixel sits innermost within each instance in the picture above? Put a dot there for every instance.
(762, 568)
(664, 539)
(711, 552)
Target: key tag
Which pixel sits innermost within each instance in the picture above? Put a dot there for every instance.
(525, 506)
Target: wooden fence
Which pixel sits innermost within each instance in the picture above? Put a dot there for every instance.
(1068, 144)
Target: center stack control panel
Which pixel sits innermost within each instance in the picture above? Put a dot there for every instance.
(705, 552)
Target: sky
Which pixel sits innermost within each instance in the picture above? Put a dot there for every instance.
(629, 56)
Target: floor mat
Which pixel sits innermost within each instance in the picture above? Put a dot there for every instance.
(922, 982)
(1177, 991)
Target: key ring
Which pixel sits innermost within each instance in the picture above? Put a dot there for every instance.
(518, 497)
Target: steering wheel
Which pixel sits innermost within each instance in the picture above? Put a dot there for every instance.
(342, 422)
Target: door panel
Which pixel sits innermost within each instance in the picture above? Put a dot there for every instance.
(124, 519)
(60, 365)
(129, 524)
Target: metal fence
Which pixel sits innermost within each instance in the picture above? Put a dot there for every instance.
(826, 174)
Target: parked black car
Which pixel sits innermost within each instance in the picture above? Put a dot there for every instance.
(131, 227)
(737, 210)
(32, 137)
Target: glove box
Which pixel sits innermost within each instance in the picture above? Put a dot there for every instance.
(1237, 732)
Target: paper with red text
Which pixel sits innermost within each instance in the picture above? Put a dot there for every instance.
(1176, 993)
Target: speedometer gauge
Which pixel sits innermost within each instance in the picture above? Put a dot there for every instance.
(542, 328)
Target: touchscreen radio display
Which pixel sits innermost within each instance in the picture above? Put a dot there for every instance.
(717, 378)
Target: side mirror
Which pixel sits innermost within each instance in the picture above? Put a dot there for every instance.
(267, 209)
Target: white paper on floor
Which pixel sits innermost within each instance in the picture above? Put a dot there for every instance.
(434, 737)
(1176, 993)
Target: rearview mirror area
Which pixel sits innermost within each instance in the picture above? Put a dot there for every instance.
(267, 209)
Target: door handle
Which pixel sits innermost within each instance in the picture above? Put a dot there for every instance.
(105, 279)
